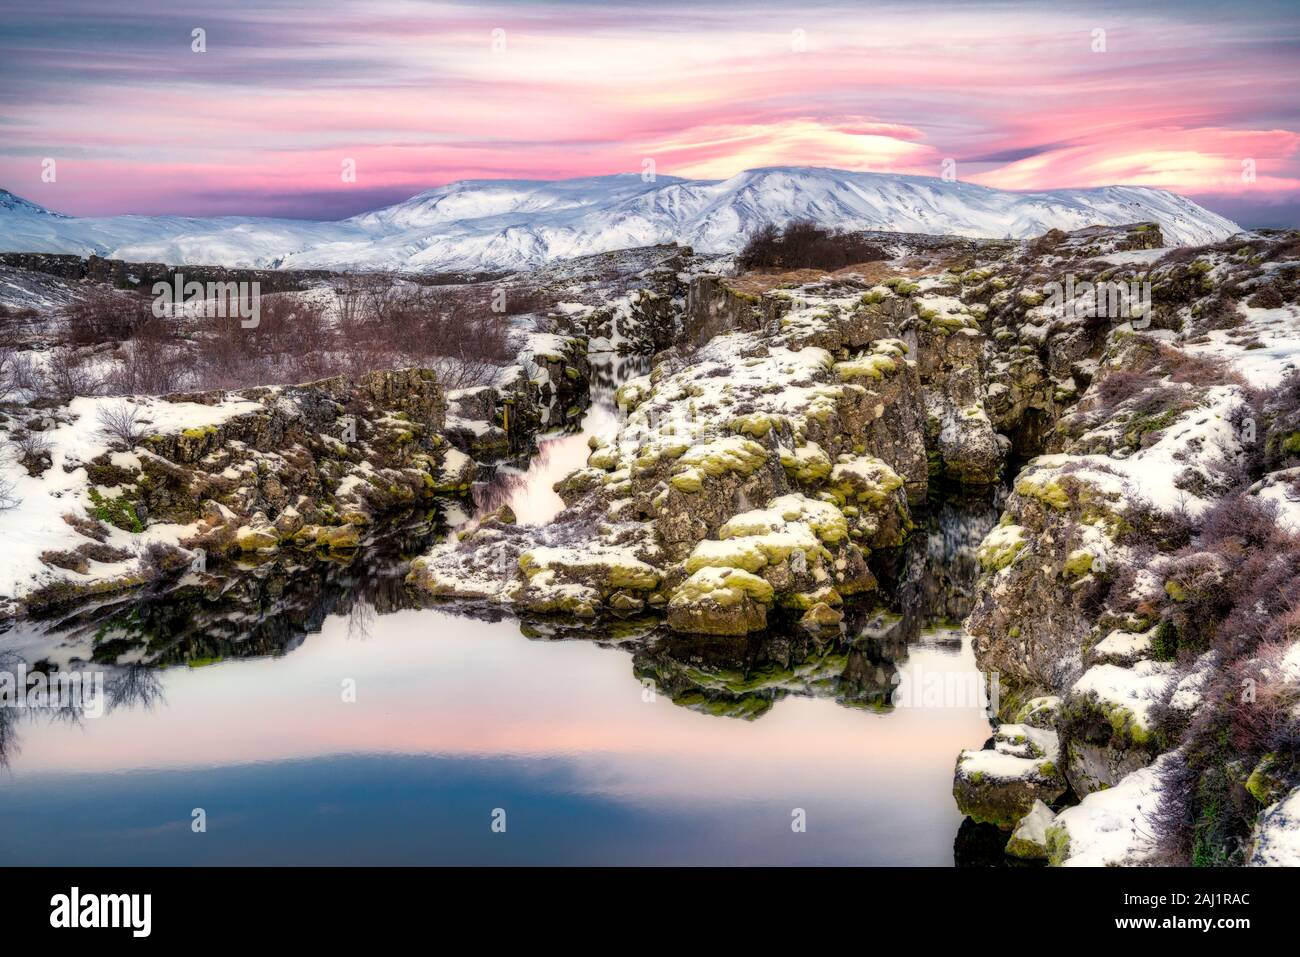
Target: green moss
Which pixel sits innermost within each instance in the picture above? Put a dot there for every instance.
(690, 481)
(1000, 547)
(1078, 563)
(1044, 489)
(732, 454)
(756, 425)
(1151, 423)
(867, 367)
(901, 285)
(1164, 643)
(1266, 784)
(119, 511)
(808, 464)
(1058, 844)
(724, 587)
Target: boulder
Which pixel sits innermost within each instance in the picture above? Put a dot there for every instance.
(999, 785)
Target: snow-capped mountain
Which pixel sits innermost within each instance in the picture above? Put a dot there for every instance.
(513, 224)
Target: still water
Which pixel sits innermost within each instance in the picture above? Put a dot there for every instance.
(319, 713)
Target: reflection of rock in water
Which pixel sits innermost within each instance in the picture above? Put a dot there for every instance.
(985, 845)
(933, 579)
(264, 611)
(267, 610)
(744, 676)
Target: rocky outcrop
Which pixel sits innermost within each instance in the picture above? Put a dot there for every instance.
(243, 473)
(1020, 769)
(1137, 570)
(761, 473)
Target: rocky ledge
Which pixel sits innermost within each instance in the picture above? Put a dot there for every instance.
(122, 492)
(762, 463)
(1145, 572)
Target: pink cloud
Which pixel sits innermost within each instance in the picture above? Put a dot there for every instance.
(418, 96)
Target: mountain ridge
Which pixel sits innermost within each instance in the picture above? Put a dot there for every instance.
(512, 224)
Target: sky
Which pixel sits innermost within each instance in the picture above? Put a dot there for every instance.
(286, 95)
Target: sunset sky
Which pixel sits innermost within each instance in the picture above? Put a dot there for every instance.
(419, 94)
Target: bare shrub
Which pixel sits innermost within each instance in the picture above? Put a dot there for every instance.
(104, 315)
(291, 343)
(161, 560)
(32, 450)
(1123, 384)
(7, 385)
(25, 372)
(121, 422)
(8, 499)
(454, 373)
(803, 244)
(452, 329)
(69, 374)
(1196, 370)
(148, 366)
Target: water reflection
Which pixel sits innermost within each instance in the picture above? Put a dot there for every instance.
(608, 745)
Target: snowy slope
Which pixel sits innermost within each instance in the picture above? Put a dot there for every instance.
(508, 224)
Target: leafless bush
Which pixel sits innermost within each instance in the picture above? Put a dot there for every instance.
(152, 363)
(453, 329)
(121, 421)
(1124, 384)
(104, 315)
(805, 245)
(68, 375)
(25, 372)
(291, 343)
(32, 450)
(7, 385)
(8, 499)
(287, 326)
(18, 372)
(454, 373)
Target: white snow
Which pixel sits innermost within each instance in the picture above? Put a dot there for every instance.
(1277, 834)
(511, 224)
(1138, 688)
(1033, 826)
(1115, 825)
(36, 523)
(1274, 354)
(1124, 644)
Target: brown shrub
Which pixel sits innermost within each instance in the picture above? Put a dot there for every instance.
(805, 245)
(104, 315)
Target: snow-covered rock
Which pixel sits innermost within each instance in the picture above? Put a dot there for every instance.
(1029, 839)
(1276, 840)
(1114, 826)
(1001, 784)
